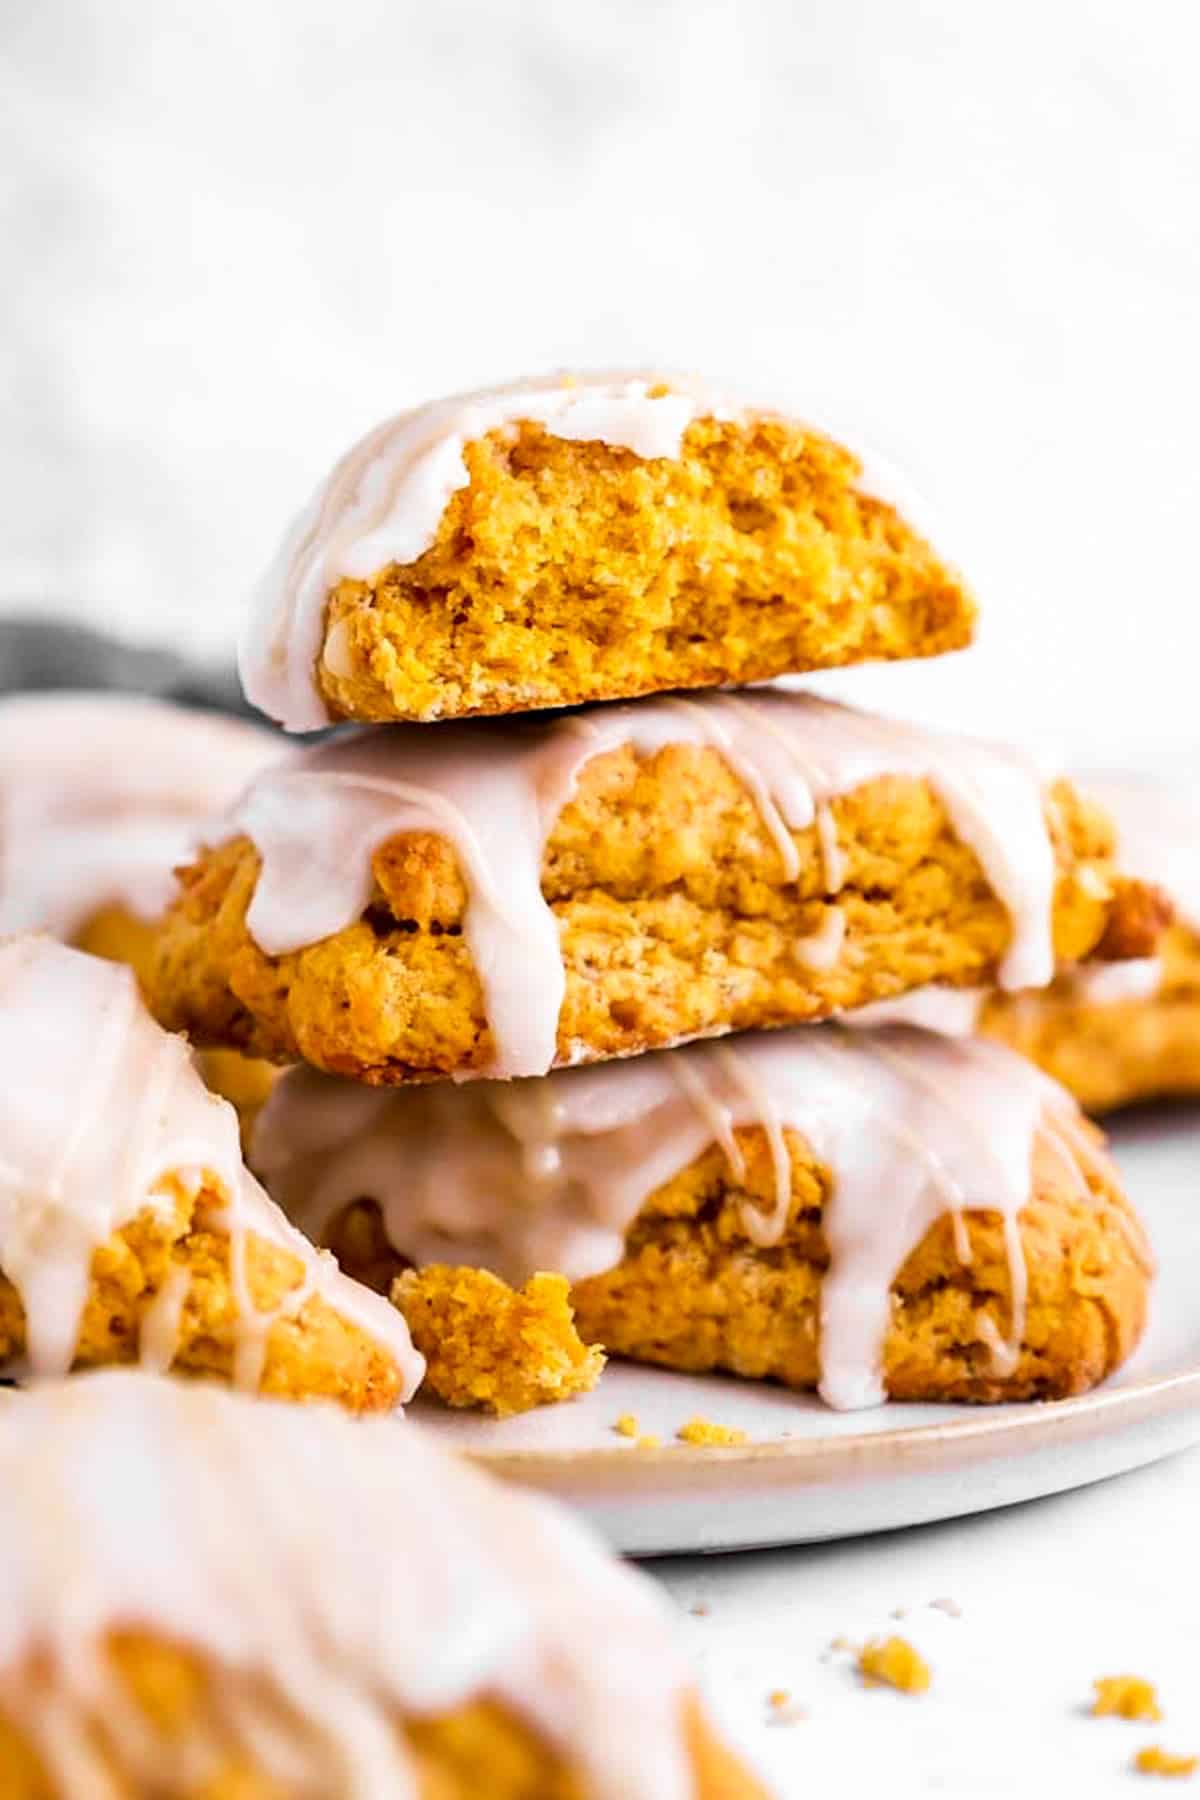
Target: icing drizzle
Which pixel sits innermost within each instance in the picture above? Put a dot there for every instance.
(103, 1117)
(384, 500)
(550, 1174)
(495, 792)
(337, 1574)
(101, 795)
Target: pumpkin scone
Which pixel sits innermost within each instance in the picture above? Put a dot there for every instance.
(878, 1214)
(587, 538)
(130, 1229)
(410, 903)
(101, 795)
(1118, 1035)
(208, 1597)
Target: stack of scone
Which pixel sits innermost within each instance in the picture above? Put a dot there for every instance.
(440, 917)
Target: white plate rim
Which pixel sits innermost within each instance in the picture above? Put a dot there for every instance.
(961, 1441)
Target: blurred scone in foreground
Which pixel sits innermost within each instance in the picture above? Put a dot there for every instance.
(131, 1230)
(208, 1598)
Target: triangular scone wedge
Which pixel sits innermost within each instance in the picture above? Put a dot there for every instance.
(588, 538)
(877, 1213)
(131, 1230)
(205, 1594)
(406, 904)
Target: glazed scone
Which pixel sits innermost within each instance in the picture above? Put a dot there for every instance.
(237, 1602)
(130, 1229)
(1121, 1035)
(410, 903)
(874, 1213)
(590, 538)
(101, 796)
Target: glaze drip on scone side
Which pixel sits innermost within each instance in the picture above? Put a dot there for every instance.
(103, 1117)
(385, 499)
(103, 795)
(495, 792)
(550, 1174)
(334, 1578)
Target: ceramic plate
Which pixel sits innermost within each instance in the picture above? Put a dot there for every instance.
(809, 1473)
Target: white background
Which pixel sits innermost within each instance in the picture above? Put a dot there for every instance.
(235, 234)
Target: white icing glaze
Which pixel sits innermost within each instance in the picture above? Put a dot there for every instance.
(496, 790)
(549, 1174)
(101, 795)
(384, 501)
(1112, 984)
(951, 1012)
(100, 1112)
(336, 1574)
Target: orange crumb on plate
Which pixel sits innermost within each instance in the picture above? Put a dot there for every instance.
(627, 1425)
(1154, 1760)
(892, 1662)
(703, 1431)
(1124, 1697)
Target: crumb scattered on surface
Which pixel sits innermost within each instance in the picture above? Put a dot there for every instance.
(1154, 1760)
(701, 1609)
(627, 1425)
(898, 1612)
(783, 1709)
(650, 1441)
(1124, 1697)
(494, 1347)
(892, 1662)
(951, 1608)
(840, 1642)
(705, 1432)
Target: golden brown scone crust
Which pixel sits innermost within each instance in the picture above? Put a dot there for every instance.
(475, 1751)
(1113, 1053)
(676, 919)
(693, 1292)
(567, 572)
(315, 1355)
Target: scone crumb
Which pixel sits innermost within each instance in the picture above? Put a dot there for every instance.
(1154, 1760)
(892, 1662)
(701, 1609)
(778, 1697)
(783, 1709)
(705, 1432)
(650, 1441)
(1124, 1697)
(627, 1425)
(486, 1345)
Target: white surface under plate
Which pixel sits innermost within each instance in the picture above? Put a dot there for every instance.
(809, 1473)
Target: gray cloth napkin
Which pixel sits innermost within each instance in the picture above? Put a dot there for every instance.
(53, 653)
